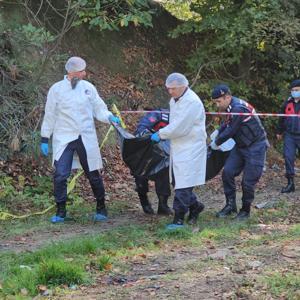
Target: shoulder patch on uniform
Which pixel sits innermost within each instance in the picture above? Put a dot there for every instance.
(152, 119)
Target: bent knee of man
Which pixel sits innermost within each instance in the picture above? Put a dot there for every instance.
(228, 172)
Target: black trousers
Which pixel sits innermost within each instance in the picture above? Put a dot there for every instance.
(161, 180)
(63, 169)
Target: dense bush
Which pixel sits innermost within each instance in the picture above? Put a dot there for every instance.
(252, 45)
(113, 14)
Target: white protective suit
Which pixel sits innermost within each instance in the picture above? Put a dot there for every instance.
(70, 113)
(187, 134)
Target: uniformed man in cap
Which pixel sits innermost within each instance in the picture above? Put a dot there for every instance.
(247, 156)
(290, 127)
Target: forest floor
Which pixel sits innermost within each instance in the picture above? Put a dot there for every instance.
(132, 256)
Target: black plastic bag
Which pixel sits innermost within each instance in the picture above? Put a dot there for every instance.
(143, 157)
(215, 162)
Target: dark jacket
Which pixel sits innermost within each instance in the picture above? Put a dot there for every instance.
(245, 130)
(152, 122)
(289, 124)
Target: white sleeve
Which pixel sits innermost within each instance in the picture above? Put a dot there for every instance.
(183, 123)
(50, 114)
(100, 111)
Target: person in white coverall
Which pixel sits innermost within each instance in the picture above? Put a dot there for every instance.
(187, 134)
(72, 104)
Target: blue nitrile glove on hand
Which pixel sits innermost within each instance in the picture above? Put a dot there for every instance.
(214, 146)
(114, 119)
(44, 148)
(155, 137)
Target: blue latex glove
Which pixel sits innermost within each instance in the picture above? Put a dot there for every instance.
(155, 137)
(214, 146)
(44, 148)
(114, 119)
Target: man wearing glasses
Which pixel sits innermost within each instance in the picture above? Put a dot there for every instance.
(187, 135)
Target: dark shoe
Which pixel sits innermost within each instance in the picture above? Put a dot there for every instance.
(163, 208)
(60, 213)
(195, 210)
(177, 221)
(290, 186)
(228, 209)
(242, 215)
(147, 208)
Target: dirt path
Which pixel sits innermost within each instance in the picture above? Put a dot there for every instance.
(233, 271)
(34, 239)
(268, 190)
(236, 268)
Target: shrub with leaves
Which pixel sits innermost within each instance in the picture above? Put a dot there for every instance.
(23, 57)
(113, 14)
(252, 45)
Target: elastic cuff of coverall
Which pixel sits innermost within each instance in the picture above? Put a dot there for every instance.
(44, 140)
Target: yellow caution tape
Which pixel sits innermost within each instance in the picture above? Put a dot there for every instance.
(71, 185)
(117, 112)
(5, 216)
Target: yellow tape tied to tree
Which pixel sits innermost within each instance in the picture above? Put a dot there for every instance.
(71, 185)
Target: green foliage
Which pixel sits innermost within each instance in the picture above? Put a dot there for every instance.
(178, 234)
(57, 272)
(20, 278)
(283, 285)
(51, 272)
(35, 36)
(24, 53)
(252, 45)
(18, 196)
(104, 263)
(113, 14)
(180, 9)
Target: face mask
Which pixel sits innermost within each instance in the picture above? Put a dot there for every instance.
(295, 94)
(74, 82)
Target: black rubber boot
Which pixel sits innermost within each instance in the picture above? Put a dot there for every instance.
(228, 209)
(61, 209)
(244, 213)
(195, 210)
(147, 208)
(100, 207)
(290, 186)
(163, 208)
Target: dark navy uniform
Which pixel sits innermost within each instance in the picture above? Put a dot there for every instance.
(150, 123)
(248, 155)
(290, 127)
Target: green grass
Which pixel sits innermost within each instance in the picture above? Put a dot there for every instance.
(50, 272)
(283, 284)
(58, 271)
(64, 262)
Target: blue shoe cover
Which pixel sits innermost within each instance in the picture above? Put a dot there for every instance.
(174, 226)
(99, 218)
(57, 219)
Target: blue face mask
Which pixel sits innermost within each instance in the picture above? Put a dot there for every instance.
(295, 94)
